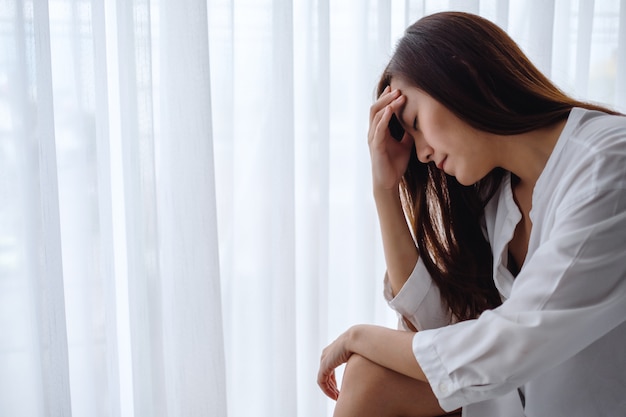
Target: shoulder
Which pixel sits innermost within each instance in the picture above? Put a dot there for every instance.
(596, 132)
(592, 146)
(589, 160)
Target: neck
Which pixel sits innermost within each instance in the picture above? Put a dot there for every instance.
(526, 154)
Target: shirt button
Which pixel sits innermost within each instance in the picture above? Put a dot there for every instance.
(443, 388)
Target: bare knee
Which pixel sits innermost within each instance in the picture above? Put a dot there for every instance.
(369, 389)
(363, 375)
(361, 393)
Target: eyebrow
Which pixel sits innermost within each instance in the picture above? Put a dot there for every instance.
(401, 115)
(401, 118)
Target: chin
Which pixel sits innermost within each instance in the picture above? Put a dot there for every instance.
(461, 179)
(467, 180)
(465, 183)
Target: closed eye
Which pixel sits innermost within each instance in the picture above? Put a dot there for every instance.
(395, 128)
(415, 123)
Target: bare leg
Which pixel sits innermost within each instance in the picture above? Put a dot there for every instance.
(369, 389)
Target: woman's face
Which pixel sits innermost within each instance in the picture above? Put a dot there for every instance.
(441, 137)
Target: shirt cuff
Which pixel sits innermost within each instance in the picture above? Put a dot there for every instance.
(445, 389)
(412, 292)
(418, 301)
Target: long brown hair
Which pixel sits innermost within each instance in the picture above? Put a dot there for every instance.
(479, 73)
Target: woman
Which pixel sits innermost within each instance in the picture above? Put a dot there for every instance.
(513, 267)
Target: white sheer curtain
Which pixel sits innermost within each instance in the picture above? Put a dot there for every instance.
(185, 207)
(110, 296)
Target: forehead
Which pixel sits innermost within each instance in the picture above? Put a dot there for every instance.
(408, 90)
(401, 84)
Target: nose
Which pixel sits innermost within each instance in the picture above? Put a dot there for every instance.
(423, 150)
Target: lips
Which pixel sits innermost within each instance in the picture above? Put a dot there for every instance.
(440, 164)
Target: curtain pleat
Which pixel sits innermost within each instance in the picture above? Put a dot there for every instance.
(118, 305)
(620, 73)
(583, 50)
(281, 215)
(538, 33)
(414, 10)
(502, 14)
(312, 116)
(563, 54)
(34, 376)
(191, 308)
(470, 6)
(221, 48)
(134, 47)
(366, 260)
(45, 249)
(261, 284)
(106, 268)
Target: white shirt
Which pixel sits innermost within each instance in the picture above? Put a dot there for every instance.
(558, 341)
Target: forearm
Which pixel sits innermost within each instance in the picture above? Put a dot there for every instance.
(389, 348)
(399, 248)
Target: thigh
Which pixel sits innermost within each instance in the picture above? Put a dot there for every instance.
(369, 389)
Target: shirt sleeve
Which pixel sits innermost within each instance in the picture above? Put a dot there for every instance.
(570, 293)
(418, 301)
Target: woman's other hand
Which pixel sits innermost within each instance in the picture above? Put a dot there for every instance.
(389, 156)
(333, 356)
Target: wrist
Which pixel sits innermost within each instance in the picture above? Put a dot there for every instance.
(384, 192)
(355, 337)
(350, 339)
(388, 201)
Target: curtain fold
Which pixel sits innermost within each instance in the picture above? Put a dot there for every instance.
(43, 226)
(34, 342)
(537, 28)
(186, 216)
(260, 279)
(135, 41)
(620, 70)
(311, 173)
(103, 131)
(281, 215)
(187, 229)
